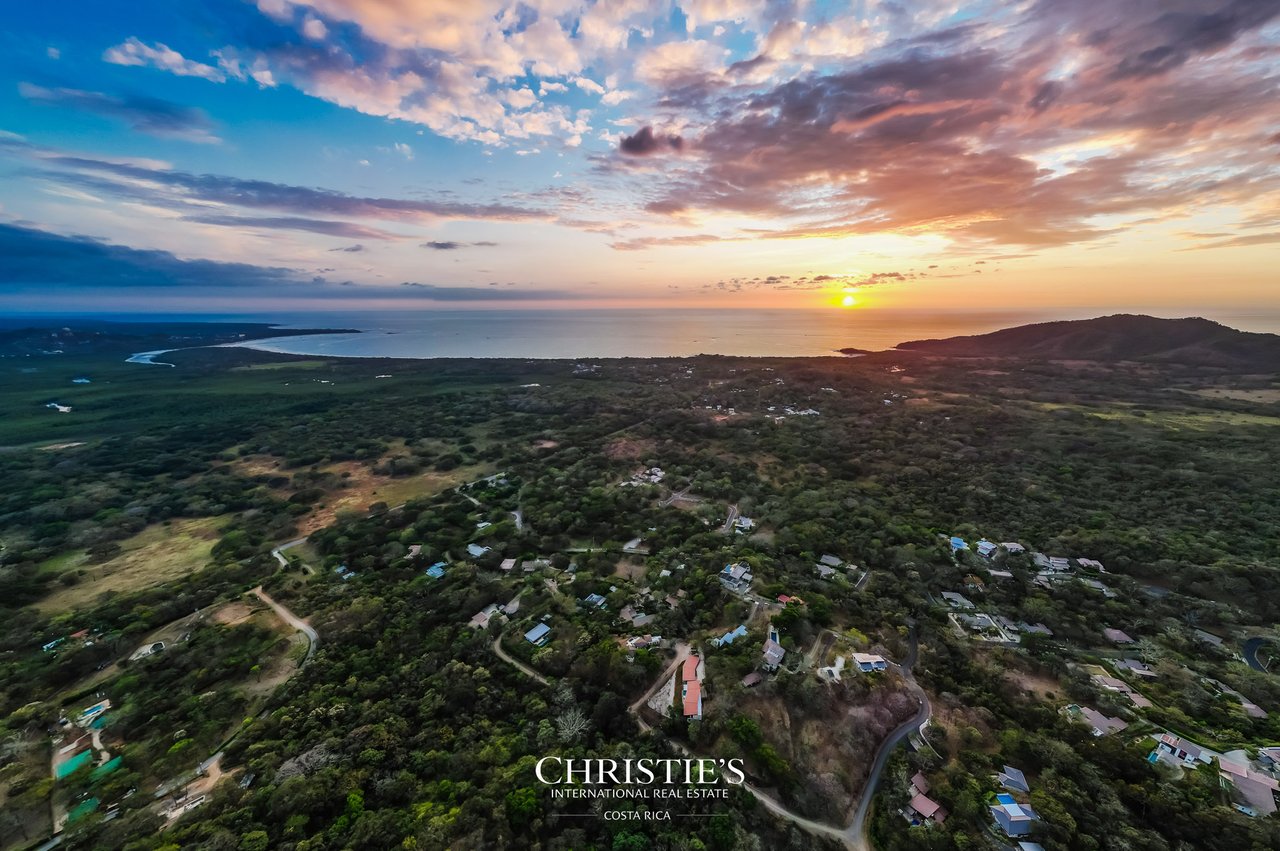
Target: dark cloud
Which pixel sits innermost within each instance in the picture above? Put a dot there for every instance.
(166, 187)
(350, 249)
(644, 143)
(329, 228)
(35, 261)
(450, 245)
(149, 115)
(986, 138)
(35, 257)
(1184, 29)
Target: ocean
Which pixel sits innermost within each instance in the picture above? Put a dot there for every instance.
(645, 333)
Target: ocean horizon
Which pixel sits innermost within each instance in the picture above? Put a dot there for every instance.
(551, 333)
(640, 333)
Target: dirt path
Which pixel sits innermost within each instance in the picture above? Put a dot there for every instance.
(518, 665)
(682, 653)
(313, 638)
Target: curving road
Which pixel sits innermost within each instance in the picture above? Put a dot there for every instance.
(313, 638)
(517, 664)
(682, 653)
(1251, 648)
(855, 835)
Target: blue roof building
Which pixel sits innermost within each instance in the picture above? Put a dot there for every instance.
(539, 635)
(1014, 819)
(436, 570)
(729, 637)
(958, 544)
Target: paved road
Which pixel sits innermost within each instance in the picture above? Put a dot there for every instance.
(1251, 648)
(853, 836)
(728, 524)
(278, 552)
(856, 833)
(517, 664)
(313, 638)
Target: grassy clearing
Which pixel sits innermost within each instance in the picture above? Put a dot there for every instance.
(157, 554)
(1200, 420)
(364, 488)
(297, 364)
(1266, 396)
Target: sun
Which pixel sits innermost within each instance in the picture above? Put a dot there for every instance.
(848, 301)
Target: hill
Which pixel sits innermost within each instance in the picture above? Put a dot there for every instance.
(1123, 337)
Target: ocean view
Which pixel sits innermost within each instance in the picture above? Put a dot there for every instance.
(647, 333)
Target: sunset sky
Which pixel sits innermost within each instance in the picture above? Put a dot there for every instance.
(222, 155)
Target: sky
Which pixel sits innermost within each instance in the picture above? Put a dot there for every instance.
(220, 155)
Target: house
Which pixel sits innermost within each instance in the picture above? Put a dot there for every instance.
(475, 550)
(1113, 684)
(436, 570)
(958, 544)
(636, 618)
(691, 687)
(773, 653)
(508, 565)
(1091, 564)
(691, 697)
(1095, 720)
(1013, 818)
(731, 636)
(919, 784)
(752, 679)
(744, 524)
(999, 574)
(1097, 586)
(923, 808)
(1174, 747)
(1135, 667)
(1269, 757)
(483, 524)
(736, 576)
(1207, 638)
(867, 662)
(1256, 789)
(824, 572)
(974, 583)
(830, 561)
(957, 601)
(539, 635)
(1012, 778)
(593, 601)
(1023, 626)
(512, 607)
(480, 620)
(986, 549)
(1012, 547)
(415, 550)
(1116, 636)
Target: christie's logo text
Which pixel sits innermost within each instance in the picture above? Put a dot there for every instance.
(639, 778)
